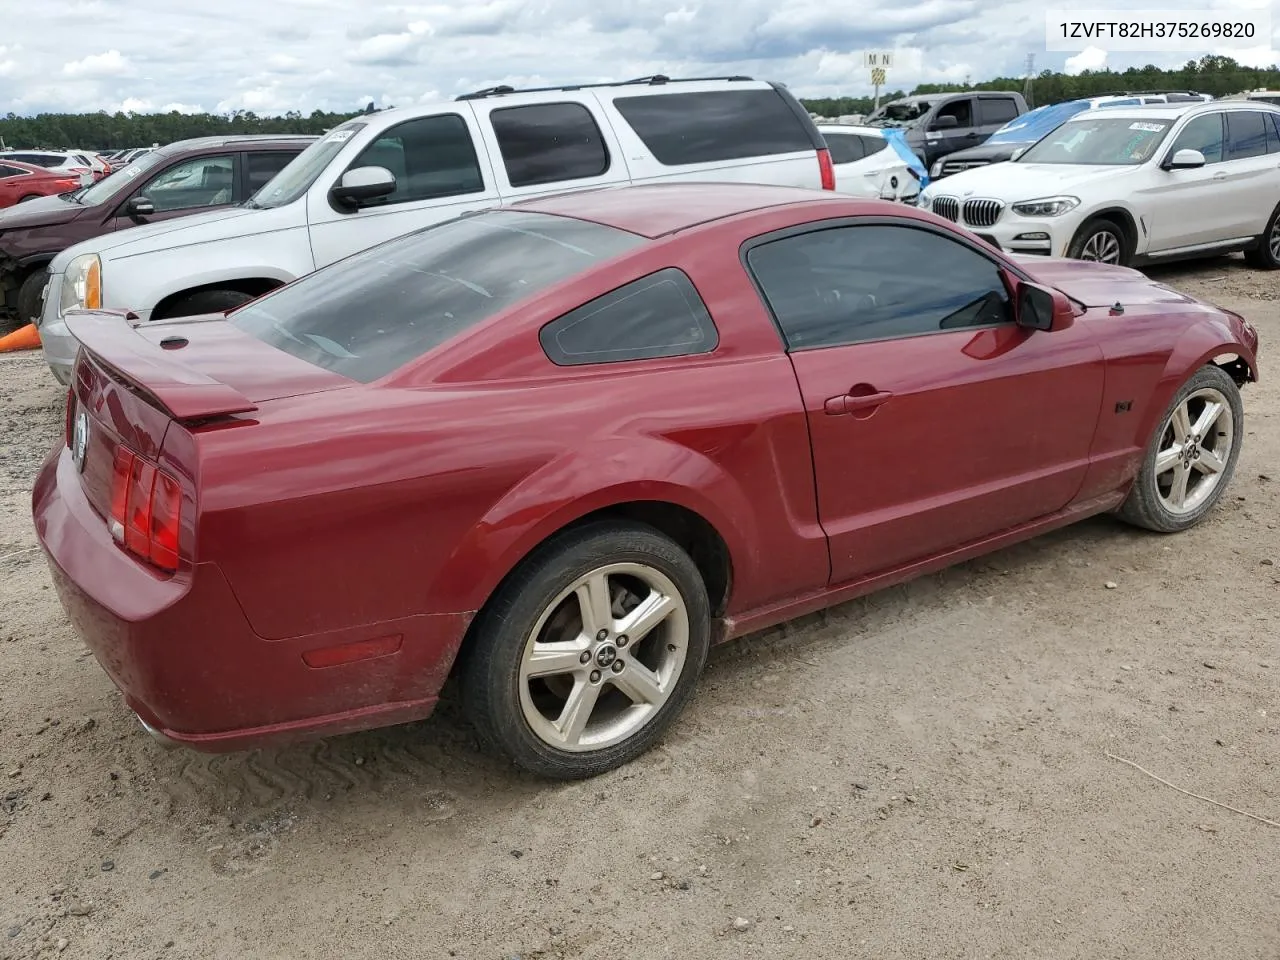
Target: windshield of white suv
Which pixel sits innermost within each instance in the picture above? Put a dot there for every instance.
(106, 188)
(301, 172)
(1101, 142)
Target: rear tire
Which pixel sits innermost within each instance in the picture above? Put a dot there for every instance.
(1102, 241)
(205, 301)
(543, 655)
(1266, 255)
(29, 296)
(1189, 442)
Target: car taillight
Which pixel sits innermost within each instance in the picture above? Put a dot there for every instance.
(146, 506)
(827, 170)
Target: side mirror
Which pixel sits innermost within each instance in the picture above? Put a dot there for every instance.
(1185, 160)
(1017, 153)
(1039, 308)
(945, 122)
(363, 184)
(140, 207)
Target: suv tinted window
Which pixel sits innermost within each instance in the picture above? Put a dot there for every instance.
(660, 315)
(717, 125)
(873, 145)
(36, 159)
(548, 142)
(261, 167)
(852, 284)
(844, 147)
(1203, 133)
(1273, 133)
(373, 312)
(997, 109)
(202, 182)
(1246, 134)
(430, 157)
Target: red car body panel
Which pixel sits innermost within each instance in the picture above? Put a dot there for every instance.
(319, 513)
(34, 182)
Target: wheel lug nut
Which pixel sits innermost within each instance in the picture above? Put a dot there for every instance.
(617, 666)
(623, 641)
(595, 676)
(602, 635)
(586, 656)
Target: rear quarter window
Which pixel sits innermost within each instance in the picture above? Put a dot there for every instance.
(374, 312)
(682, 128)
(660, 315)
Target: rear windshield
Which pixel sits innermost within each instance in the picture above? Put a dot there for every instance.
(716, 125)
(373, 312)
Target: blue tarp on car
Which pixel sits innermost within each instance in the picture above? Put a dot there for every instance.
(898, 141)
(1034, 124)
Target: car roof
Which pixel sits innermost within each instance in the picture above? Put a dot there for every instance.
(656, 209)
(247, 140)
(1169, 111)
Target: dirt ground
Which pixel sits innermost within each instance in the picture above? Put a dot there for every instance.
(923, 773)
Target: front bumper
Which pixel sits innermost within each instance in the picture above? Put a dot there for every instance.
(184, 656)
(1009, 231)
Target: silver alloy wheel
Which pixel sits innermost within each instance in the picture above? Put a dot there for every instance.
(603, 657)
(1195, 449)
(1103, 247)
(1273, 241)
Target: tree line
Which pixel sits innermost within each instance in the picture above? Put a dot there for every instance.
(1219, 76)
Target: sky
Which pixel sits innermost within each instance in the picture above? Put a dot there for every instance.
(280, 55)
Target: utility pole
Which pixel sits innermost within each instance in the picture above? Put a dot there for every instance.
(1029, 83)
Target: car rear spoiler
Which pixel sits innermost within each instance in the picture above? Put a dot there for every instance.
(180, 391)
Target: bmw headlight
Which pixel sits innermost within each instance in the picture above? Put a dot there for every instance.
(1046, 206)
(924, 200)
(936, 170)
(82, 284)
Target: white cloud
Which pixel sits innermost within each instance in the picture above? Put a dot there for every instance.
(1090, 58)
(109, 64)
(84, 55)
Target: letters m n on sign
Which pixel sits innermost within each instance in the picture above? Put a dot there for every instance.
(872, 59)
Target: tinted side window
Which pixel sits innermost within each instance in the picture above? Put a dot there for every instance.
(844, 147)
(263, 166)
(430, 157)
(36, 159)
(548, 142)
(961, 109)
(660, 315)
(873, 145)
(7, 171)
(1273, 133)
(852, 284)
(1246, 134)
(1203, 133)
(997, 109)
(202, 182)
(717, 125)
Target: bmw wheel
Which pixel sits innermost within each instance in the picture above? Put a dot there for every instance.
(1266, 254)
(1101, 241)
(589, 651)
(1191, 456)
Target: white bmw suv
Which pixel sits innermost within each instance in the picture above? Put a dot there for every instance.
(1132, 185)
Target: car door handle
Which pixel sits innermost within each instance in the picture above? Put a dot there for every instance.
(1219, 176)
(849, 403)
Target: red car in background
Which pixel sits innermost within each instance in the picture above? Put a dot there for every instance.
(23, 181)
(563, 447)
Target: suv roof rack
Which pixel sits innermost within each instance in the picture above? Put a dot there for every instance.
(656, 80)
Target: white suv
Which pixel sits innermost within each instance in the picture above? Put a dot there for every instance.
(380, 175)
(1130, 185)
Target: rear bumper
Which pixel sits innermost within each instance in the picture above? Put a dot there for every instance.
(182, 653)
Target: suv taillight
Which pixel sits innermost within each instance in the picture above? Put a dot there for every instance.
(146, 506)
(826, 169)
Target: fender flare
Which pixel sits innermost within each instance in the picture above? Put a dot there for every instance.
(1196, 348)
(569, 488)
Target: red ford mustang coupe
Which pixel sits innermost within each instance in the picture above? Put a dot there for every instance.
(561, 448)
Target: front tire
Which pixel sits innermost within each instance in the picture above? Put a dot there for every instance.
(29, 302)
(1102, 241)
(588, 652)
(1191, 457)
(1266, 255)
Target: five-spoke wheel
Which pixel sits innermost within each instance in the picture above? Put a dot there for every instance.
(588, 651)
